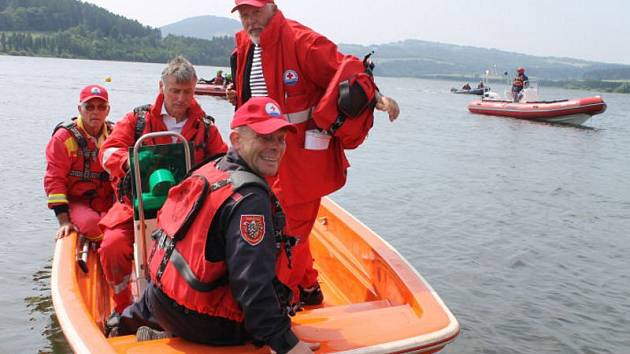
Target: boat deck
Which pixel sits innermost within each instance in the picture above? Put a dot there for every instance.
(375, 302)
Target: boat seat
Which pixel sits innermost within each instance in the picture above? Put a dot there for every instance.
(350, 308)
(335, 327)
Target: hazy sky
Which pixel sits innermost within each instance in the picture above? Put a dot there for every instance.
(582, 29)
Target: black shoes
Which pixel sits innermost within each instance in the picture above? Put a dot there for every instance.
(311, 296)
(111, 325)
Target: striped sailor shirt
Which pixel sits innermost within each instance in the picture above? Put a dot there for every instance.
(256, 78)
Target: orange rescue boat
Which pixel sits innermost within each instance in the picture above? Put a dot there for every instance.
(375, 301)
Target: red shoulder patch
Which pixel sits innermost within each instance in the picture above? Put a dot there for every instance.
(253, 228)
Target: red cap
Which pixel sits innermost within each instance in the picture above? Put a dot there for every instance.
(262, 115)
(93, 91)
(254, 3)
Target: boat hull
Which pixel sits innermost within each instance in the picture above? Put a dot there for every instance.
(375, 302)
(475, 91)
(210, 90)
(573, 111)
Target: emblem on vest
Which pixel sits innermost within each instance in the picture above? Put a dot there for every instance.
(253, 228)
(290, 77)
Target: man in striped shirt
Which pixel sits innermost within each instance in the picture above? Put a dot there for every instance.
(294, 65)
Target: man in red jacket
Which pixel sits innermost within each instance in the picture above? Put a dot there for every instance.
(175, 109)
(295, 66)
(78, 189)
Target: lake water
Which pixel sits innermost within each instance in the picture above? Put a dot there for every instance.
(521, 227)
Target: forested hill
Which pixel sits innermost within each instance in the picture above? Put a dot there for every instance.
(204, 27)
(425, 59)
(73, 29)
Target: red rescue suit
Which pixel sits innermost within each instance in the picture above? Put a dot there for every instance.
(298, 65)
(74, 174)
(116, 251)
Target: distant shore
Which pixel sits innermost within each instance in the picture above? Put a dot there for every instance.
(621, 86)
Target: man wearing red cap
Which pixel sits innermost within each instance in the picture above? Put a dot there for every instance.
(300, 69)
(78, 189)
(213, 268)
(175, 109)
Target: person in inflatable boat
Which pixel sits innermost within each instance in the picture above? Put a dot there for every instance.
(519, 83)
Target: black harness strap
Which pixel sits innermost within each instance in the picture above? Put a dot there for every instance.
(240, 179)
(184, 270)
(344, 93)
(352, 99)
(88, 155)
(141, 113)
(207, 122)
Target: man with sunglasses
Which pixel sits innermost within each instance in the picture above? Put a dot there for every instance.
(175, 109)
(78, 189)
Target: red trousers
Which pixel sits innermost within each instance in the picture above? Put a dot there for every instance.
(116, 254)
(300, 220)
(85, 218)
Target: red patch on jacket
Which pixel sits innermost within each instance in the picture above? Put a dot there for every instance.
(252, 228)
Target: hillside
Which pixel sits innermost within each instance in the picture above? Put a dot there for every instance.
(204, 27)
(73, 29)
(425, 59)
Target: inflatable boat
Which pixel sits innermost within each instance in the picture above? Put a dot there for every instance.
(473, 91)
(569, 111)
(206, 89)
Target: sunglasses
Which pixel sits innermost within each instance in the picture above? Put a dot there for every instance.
(92, 107)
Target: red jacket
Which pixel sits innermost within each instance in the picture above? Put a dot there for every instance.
(64, 178)
(298, 65)
(114, 152)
